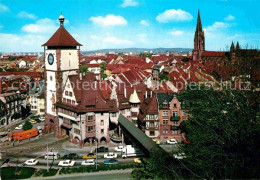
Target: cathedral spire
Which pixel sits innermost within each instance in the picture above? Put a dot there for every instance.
(232, 47)
(199, 26)
(199, 40)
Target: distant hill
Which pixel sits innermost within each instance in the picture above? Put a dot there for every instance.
(138, 50)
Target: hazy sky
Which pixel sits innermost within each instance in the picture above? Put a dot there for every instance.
(26, 24)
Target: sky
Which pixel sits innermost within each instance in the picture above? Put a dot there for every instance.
(98, 24)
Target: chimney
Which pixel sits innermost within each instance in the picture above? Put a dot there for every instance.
(80, 76)
(125, 92)
(95, 84)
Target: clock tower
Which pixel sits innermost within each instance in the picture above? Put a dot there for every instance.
(61, 57)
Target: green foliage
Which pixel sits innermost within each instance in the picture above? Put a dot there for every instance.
(17, 173)
(103, 66)
(27, 125)
(101, 167)
(44, 173)
(163, 76)
(84, 69)
(223, 132)
(1, 69)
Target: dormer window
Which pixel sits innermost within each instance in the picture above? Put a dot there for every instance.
(165, 104)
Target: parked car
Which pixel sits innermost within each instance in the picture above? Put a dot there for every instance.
(42, 118)
(179, 156)
(137, 160)
(110, 155)
(89, 162)
(52, 155)
(31, 162)
(89, 156)
(32, 121)
(70, 156)
(172, 141)
(101, 149)
(156, 141)
(19, 127)
(39, 129)
(111, 162)
(66, 163)
(119, 148)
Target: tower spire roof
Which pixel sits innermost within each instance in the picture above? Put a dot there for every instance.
(62, 37)
(199, 26)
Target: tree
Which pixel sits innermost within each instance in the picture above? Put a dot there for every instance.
(27, 125)
(103, 66)
(223, 133)
(163, 76)
(84, 69)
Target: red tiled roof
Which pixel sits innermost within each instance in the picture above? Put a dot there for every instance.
(61, 38)
(213, 53)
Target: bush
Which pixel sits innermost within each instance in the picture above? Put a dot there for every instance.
(101, 167)
(44, 173)
(22, 173)
(27, 125)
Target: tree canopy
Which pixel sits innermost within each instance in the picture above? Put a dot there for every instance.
(84, 69)
(223, 131)
(27, 125)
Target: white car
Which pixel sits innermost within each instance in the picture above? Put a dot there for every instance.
(179, 156)
(42, 118)
(88, 162)
(31, 162)
(66, 163)
(110, 156)
(19, 127)
(172, 141)
(119, 148)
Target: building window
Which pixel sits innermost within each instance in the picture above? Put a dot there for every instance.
(175, 113)
(50, 78)
(66, 93)
(102, 131)
(76, 131)
(165, 121)
(165, 113)
(175, 105)
(165, 131)
(70, 93)
(151, 133)
(90, 128)
(175, 132)
(113, 114)
(90, 118)
(151, 116)
(102, 122)
(151, 124)
(165, 104)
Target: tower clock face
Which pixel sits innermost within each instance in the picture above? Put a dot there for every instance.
(50, 59)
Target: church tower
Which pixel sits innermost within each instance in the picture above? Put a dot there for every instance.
(61, 56)
(199, 40)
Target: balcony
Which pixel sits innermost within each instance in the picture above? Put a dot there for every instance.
(91, 134)
(175, 118)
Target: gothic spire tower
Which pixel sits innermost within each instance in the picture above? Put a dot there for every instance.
(199, 40)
